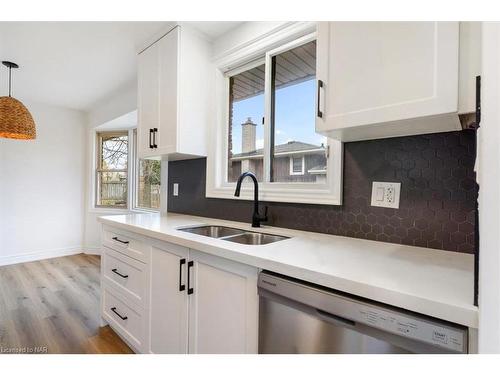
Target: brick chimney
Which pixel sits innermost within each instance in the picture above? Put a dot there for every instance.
(248, 135)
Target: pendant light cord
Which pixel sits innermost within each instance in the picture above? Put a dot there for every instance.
(10, 80)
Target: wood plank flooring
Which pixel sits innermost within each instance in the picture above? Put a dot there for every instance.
(52, 306)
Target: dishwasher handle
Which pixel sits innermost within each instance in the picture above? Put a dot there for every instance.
(334, 319)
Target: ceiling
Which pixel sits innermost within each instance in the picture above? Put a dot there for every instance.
(127, 121)
(215, 29)
(78, 64)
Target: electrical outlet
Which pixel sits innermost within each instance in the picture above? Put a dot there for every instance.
(175, 193)
(386, 194)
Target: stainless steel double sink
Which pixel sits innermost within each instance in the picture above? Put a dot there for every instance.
(234, 234)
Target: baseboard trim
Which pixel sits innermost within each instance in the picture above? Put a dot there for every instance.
(92, 250)
(39, 255)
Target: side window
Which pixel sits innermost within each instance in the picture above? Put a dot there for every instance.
(112, 169)
(148, 184)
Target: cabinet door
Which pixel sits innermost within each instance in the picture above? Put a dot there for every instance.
(470, 65)
(167, 135)
(223, 307)
(381, 72)
(147, 99)
(168, 311)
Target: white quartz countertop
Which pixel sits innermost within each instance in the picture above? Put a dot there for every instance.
(431, 282)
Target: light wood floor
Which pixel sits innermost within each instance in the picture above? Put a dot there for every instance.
(53, 306)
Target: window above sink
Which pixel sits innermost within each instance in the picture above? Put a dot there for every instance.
(265, 123)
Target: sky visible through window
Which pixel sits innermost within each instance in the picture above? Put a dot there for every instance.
(295, 116)
(114, 152)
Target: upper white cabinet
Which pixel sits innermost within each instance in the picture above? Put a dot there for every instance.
(388, 79)
(174, 78)
(470, 65)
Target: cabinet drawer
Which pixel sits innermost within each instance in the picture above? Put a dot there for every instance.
(125, 274)
(128, 244)
(126, 320)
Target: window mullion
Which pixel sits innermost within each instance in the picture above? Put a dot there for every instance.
(267, 169)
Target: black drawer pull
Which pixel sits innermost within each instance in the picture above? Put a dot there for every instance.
(190, 265)
(155, 130)
(150, 138)
(117, 239)
(118, 273)
(181, 286)
(117, 313)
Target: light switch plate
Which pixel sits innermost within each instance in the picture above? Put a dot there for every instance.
(386, 194)
(175, 193)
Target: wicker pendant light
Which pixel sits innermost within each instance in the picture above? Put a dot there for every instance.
(15, 119)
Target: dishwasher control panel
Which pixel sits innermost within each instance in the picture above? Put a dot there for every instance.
(404, 325)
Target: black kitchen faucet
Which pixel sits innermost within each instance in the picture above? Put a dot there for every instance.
(256, 217)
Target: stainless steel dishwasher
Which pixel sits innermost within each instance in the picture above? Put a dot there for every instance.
(298, 317)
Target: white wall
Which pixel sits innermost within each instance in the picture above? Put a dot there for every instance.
(42, 187)
(489, 187)
(117, 105)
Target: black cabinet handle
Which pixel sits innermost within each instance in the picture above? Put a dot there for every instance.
(117, 313)
(151, 134)
(117, 239)
(118, 273)
(190, 265)
(319, 113)
(181, 286)
(478, 101)
(155, 130)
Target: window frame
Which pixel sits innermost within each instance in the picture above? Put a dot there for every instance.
(132, 163)
(98, 167)
(217, 165)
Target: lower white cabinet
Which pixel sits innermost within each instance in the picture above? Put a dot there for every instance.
(127, 319)
(223, 306)
(170, 299)
(201, 303)
(169, 303)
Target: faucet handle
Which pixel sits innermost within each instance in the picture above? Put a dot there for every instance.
(264, 218)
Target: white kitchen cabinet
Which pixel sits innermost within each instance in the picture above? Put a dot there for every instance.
(169, 302)
(470, 65)
(125, 285)
(223, 306)
(388, 79)
(164, 298)
(201, 303)
(174, 80)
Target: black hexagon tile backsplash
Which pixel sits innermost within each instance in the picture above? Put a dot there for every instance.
(437, 202)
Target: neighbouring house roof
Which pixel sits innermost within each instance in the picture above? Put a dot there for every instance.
(289, 148)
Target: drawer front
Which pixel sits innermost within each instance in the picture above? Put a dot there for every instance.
(125, 274)
(126, 320)
(128, 244)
